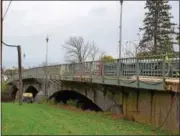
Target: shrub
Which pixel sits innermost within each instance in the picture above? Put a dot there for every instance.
(72, 102)
(128, 117)
(43, 100)
(4, 87)
(5, 96)
(80, 105)
(52, 101)
(61, 103)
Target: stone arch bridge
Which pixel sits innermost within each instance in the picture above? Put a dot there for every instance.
(143, 89)
(102, 96)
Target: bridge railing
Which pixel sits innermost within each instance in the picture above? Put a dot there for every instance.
(152, 66)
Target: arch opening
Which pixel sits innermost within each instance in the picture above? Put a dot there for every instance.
(32, 90)
(81, 101)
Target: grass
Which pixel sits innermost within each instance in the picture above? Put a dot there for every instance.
(44, 119)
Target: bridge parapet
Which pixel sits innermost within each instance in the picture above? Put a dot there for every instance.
(145, 72)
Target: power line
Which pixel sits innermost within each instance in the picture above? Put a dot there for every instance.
(7, 10)
(3, 20)
(9, 45)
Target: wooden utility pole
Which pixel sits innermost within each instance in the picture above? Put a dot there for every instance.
(20, 74)
(20, 70)
(19, 57)
(1, 28)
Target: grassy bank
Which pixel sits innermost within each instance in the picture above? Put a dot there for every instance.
(44, 119)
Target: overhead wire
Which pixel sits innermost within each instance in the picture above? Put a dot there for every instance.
(6, 10)
(9, 45)
(3, 20)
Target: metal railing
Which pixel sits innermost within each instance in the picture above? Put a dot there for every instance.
(124, 68)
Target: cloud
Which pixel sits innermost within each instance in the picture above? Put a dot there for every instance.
(98, 11)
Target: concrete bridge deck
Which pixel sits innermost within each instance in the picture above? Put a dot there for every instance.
(144, 82)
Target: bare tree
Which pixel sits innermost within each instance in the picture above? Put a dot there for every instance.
(102, 54)
(77, 49)
(131, 49)
(95, 51)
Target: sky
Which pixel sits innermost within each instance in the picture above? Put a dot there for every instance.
(27, 23)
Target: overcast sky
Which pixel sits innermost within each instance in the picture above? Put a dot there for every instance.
(28, 22)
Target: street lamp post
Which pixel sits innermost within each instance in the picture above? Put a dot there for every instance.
(47, 39)
(120, 27)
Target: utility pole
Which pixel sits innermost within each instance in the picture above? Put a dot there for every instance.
(1, 27)
(20, 70)
(19, 55)
(46, 71)
(20, 74)
(120, 29)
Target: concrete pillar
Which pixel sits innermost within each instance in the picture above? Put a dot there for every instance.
(39, 97)
(117, 108)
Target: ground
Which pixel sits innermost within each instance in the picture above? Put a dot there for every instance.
(44, 119)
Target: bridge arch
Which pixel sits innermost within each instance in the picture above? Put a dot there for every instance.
(81, 99)
(32, 89)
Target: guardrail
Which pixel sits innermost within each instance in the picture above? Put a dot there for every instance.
(153, 67)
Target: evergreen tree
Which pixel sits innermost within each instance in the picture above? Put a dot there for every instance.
(158, 30)
(178, 36)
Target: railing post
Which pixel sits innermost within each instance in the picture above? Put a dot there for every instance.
(118, 71)
(102, 71)
(72, 71)
(137, 71)
(66, 72)
(60, 72)
(56, 72)
(61, 69)
(163, 70)
(91, 67)
(81, 66)
(49, 73)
